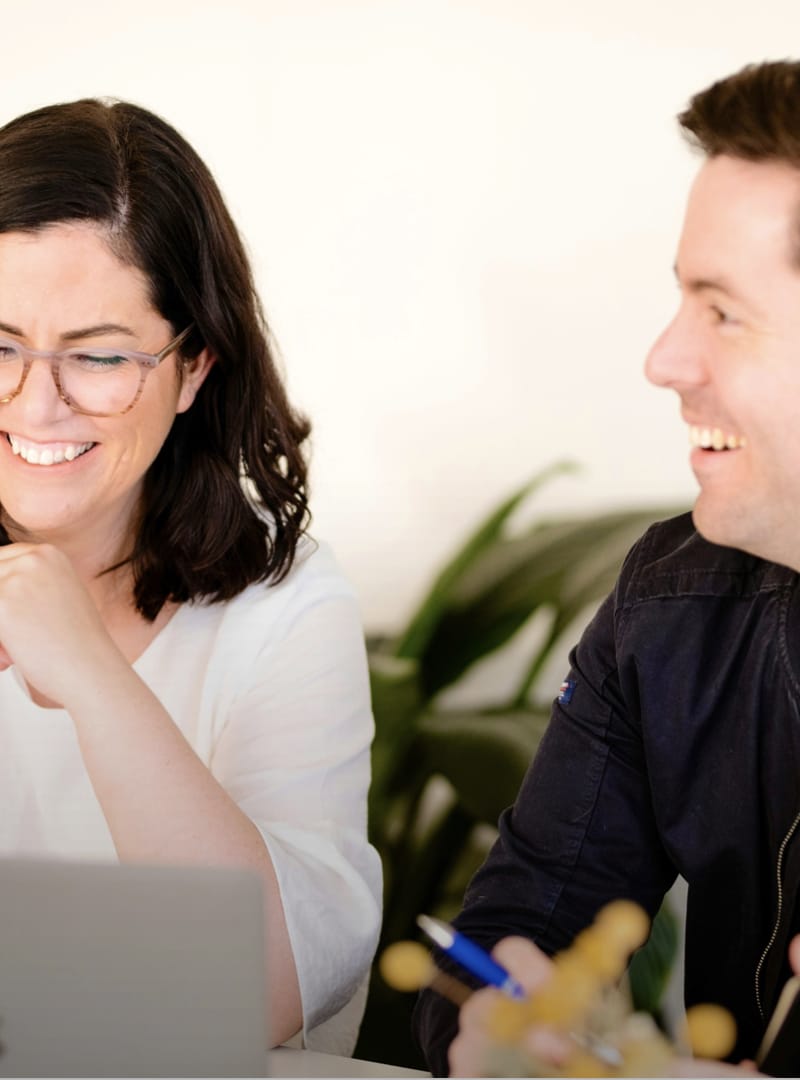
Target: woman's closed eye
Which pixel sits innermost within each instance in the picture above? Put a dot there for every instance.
(98, 360)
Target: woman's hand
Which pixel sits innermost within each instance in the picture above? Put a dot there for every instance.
(49, 626)
(160, 802)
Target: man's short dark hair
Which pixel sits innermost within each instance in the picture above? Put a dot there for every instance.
(754, 114)
(199, 534)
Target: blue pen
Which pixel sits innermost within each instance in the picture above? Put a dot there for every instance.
(479, 962)
(471, 956)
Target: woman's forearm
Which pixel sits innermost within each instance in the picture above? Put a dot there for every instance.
(162, 804)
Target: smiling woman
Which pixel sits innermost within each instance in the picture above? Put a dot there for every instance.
(62, 283)
(182, 672)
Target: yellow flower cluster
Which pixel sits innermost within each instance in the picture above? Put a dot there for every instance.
(583, 1004)
(579, 1022)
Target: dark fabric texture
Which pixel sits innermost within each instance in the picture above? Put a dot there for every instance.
(678, 753)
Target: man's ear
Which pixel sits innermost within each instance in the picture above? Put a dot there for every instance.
(193, 376)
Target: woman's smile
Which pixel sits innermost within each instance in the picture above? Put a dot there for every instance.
(48, 453)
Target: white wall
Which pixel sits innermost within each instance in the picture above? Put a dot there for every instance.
(463, 217)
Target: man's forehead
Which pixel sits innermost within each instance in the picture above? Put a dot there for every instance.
(736, 184)
(738, 211)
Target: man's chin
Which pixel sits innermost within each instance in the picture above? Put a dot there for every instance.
(716, 530)
(731, 531)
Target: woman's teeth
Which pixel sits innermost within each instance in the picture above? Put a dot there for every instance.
(46, 455)
(715, 439)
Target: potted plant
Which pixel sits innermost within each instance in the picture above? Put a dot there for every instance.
(442, 776)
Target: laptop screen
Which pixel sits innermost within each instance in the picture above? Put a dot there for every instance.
(109, 970)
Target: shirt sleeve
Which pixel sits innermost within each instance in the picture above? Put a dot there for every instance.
(581, 832)
(294, 754)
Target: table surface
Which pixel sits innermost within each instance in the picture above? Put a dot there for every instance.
(287, 1061)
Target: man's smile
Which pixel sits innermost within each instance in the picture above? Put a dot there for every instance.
(708, 438)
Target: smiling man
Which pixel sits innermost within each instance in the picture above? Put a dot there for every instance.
(678, 750)
(732, 352)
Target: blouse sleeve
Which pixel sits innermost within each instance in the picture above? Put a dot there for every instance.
(293, 750)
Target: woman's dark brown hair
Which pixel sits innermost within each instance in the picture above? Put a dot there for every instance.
(200, 535)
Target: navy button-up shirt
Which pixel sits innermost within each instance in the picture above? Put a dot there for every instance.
(677, 752)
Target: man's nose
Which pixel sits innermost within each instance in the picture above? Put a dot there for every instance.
(677, 357)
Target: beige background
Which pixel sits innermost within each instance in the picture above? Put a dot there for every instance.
(463, 217)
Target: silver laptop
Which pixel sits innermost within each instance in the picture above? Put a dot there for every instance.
(110, 970)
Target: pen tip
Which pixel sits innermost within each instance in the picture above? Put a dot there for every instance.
(436, 930)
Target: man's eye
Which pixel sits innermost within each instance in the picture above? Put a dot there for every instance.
(720, 316)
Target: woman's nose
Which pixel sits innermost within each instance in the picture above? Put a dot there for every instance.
(39, 401)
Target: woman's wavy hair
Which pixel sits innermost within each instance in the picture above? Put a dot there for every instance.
(225, 502)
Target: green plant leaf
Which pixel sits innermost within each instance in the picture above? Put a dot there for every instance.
(650, 968)
(395, 692)
(561, 565)
(484, 756)
(427, 864)
(414, 639)
(589, 579)
(425, 829)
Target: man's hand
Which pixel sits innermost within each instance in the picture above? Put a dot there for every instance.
(531, 968)
(794, 954)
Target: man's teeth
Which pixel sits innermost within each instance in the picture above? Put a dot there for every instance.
(44, 455)
(715, 439)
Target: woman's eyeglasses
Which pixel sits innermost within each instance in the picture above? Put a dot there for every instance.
(96, 382)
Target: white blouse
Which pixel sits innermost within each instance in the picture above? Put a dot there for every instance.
(272, 692)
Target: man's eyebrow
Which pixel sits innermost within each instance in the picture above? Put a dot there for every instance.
(98, 330)
(705, 284)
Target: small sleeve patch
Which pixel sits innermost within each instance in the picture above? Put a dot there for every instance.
(565, 691)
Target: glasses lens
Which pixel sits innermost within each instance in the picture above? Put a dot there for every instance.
(11, 368)
(101, 381)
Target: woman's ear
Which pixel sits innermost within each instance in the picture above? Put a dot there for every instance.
(193, 376)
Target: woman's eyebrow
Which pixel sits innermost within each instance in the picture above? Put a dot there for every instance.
(97, 331)
(77, 335)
